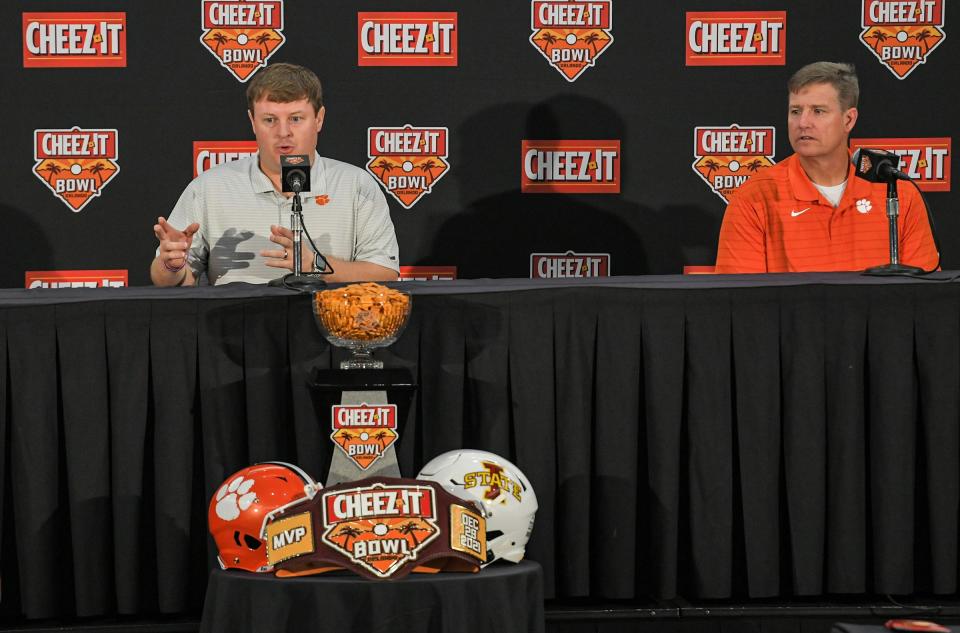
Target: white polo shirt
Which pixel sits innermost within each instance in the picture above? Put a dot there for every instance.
(235, 204)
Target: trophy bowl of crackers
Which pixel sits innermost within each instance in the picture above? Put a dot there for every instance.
(361, 317)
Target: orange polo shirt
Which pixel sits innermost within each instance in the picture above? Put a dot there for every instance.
(778, 221)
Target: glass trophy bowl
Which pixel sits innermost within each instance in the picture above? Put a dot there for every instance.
(361, 318)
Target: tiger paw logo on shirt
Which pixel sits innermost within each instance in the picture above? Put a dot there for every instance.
(408, 161)
(725, 157)
(242, 35)
(76, 164)
(902, 34)
(571, 34)
(925, 160)
(364, 432)
(379, 527)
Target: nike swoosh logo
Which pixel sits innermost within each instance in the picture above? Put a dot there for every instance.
(796, 213)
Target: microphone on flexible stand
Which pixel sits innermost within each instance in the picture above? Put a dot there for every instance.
(295, 178)
(877, 165)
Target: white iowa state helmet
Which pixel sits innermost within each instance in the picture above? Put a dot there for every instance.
(499, 487)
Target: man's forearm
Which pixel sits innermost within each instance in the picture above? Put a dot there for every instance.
(359, 271)
(160, 276)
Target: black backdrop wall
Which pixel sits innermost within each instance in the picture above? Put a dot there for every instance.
(640, 92)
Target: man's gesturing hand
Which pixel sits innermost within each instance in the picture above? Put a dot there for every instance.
(174, 243)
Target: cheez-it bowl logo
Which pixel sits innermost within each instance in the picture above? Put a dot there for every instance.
(737, 38)
(571, 34)
(925, 160)
(242, 35)
(364, 432)
(380, 527)
(406, 39)
(577, 166)
(207, 154)
(74, 40)
(408, 161)
(569, 265)
(76, 164)
(902, 34)
(725, 157)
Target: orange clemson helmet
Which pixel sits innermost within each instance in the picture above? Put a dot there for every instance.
(240, 506)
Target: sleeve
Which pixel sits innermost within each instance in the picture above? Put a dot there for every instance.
(376, 240)
(916, 239)
(742, 247)
(189, 209)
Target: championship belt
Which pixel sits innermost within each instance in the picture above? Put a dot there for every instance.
(380, 528)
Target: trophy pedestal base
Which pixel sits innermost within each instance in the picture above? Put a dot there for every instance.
(365, 386)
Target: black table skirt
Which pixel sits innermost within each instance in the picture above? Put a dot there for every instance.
(503, 598)
(750, 437)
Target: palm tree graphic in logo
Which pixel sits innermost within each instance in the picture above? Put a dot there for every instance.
(922, 38)
(52, 170)
(591, 40)
(381, 436)
(711, 166)
(410, 528)
(96, 169)
(427, 166)
(549, 38)
(262, 40)
(345, 437)
(347, 532)
(879, 36)
(385, 166)
(755, 165)
(220, 40)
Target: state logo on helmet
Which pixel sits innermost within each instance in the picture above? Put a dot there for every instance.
(502, 490)
(240, 507)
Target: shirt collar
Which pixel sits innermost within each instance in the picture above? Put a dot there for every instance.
(260, 183)
(803, 188)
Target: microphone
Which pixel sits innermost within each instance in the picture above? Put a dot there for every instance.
(294, 173)
(877, 165)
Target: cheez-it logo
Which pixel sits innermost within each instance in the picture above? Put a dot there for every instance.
(570, 166)
(725, 157)
(925, 160)
(406, 39)
(242, 35)
(207, 154)
(364, 432)
(75, 164)
(379, 527)
(901, 34)
(74, 40)
(737, 38)
(408, 161)
(571, 34)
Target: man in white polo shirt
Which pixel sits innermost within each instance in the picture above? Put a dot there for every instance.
(231, 222)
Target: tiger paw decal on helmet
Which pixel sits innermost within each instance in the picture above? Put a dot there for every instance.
(241, 504)
(234, 497)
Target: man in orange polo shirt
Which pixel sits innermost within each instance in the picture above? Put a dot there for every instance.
(809, 212)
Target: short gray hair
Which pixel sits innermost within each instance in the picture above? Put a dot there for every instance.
(843, 77)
